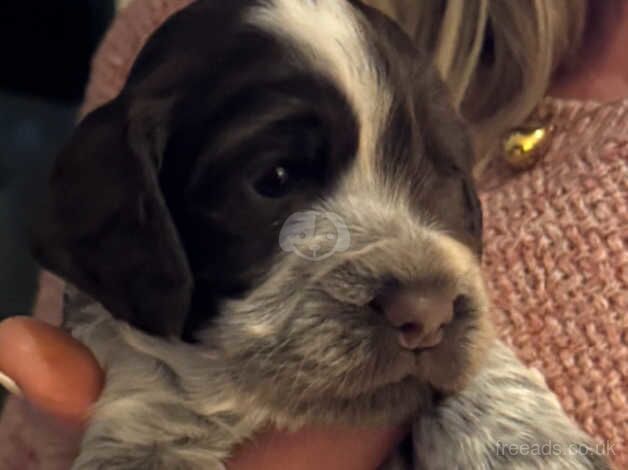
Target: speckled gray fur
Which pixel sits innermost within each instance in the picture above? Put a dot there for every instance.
(167, 407)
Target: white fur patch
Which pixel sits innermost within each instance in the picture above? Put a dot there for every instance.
(331, 35)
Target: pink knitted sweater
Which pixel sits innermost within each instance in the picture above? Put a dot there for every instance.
(556, 242)
(556, 262)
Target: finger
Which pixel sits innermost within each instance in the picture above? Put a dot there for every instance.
(55, 373)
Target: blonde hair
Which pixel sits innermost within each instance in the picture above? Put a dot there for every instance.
(497, 56)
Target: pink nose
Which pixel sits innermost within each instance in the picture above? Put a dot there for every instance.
(419, 316)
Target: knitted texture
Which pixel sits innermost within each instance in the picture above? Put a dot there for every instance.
(556, 262)
(556, 258)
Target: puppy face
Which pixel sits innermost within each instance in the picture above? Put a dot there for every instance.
(283, 182)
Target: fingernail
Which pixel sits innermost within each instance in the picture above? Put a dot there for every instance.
(10, 385)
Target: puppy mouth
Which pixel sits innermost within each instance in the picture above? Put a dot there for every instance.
(399, 370)
(439, 363)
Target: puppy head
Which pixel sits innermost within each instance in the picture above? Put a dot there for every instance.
(284, 182)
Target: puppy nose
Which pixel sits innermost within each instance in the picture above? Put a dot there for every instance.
(419, 316)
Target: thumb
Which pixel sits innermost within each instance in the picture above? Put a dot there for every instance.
(53, 372)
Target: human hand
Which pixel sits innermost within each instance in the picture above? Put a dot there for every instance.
(55, 379)
(59, 379)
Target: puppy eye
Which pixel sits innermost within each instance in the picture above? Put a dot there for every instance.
(275, 183)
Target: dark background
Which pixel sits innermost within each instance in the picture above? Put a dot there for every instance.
(46, 48)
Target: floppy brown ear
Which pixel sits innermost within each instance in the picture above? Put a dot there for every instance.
(105, 226)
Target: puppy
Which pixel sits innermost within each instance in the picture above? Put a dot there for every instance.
(278, 211)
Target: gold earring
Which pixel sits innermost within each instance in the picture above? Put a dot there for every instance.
(524, 146)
